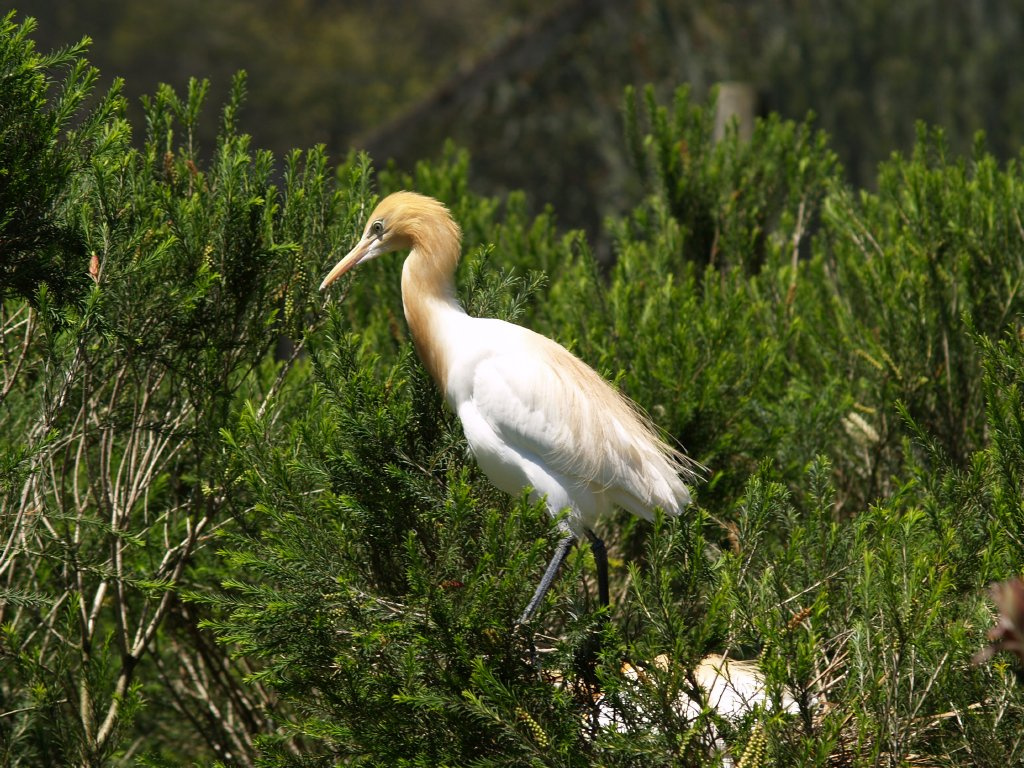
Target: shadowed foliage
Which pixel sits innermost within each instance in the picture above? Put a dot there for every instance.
(239, 527)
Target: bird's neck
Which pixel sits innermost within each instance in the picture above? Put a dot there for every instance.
(431, 307)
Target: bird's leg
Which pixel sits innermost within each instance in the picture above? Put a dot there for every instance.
(589, 650)
(549, 576)
(601, 561)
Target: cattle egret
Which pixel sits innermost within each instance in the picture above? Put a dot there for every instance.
(730, 688)
(534, 415)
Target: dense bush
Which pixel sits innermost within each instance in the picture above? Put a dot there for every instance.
(239, 525)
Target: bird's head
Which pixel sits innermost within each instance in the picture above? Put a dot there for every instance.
(400, 222)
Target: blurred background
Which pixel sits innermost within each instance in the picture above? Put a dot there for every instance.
(534, 89)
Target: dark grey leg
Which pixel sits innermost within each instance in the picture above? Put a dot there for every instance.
(601, 561)
(549, 576)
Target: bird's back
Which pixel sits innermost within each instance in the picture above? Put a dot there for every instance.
(618, 448)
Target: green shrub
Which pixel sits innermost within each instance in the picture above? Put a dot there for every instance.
(239, 525)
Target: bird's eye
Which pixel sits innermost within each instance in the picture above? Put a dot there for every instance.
(377, 228)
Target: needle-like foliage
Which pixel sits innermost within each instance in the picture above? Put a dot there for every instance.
(239, 526)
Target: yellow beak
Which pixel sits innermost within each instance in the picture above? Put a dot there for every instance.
(365, 249)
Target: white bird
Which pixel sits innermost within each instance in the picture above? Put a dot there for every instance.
(730, 688)
(534, 415)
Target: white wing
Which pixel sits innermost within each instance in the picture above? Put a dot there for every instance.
(551, 409)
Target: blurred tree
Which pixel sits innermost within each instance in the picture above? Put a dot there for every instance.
(335, 72)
